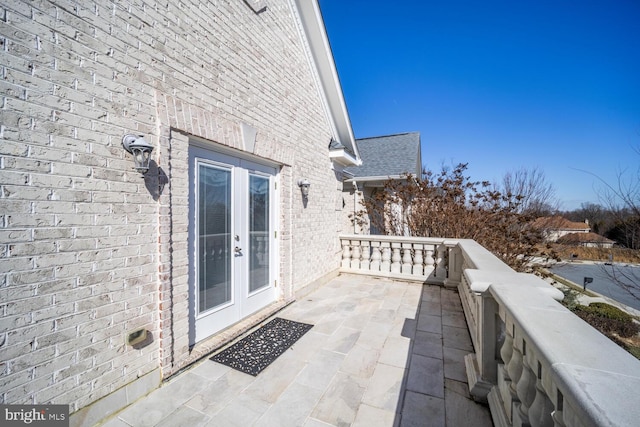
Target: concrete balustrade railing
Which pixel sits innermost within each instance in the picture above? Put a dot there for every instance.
(534, 362)
(410, 258)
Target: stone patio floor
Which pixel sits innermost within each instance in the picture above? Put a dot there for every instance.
(381, 353)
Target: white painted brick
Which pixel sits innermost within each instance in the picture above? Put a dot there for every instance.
(15, 206)
(27, 306)
(55, 233)
(75, 245)
(93, 231)
(53, 207)
(95, 327)
(13, 148)
(91, 185)
(56, 259)
(74, 219)
(21, 192)
(16, 264)
(77, 269)
(17, 321)
(30, 249)
(92, 257)
(73, 320)
(108, 197)
(13, 178)
(30, 277)
(56, 337)
(23, 235)
(8, 382)
(115, 266)
(49, 287)
(83, 166)
(66, 169)
(45, 395)
(100, 375)
(16, 220)
(71, 195)
(52, 313)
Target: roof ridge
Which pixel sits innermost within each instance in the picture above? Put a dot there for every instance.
(386, 136)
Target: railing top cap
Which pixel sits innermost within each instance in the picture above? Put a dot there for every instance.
(395, 239)
(601, 389)
(480, 280)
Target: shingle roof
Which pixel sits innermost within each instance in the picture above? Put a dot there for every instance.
(559, 223)
(390, 155)
(577, 238)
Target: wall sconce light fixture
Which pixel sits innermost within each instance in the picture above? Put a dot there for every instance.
(304, 185)
(140, 149)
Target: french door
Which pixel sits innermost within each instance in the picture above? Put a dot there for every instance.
(232, 232)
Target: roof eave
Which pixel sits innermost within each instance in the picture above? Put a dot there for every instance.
(375, 178)
(315, 31)
(343, 157)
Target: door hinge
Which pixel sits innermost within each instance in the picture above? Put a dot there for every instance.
(275, 283)
(275, 234)
(275, 185)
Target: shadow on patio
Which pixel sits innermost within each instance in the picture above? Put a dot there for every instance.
(381, 353)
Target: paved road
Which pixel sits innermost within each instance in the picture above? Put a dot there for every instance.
(607, 280)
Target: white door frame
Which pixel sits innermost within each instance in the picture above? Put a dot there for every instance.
(243, 302)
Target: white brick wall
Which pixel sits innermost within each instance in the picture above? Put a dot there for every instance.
(89, 250)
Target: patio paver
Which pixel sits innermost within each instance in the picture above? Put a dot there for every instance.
(381, 353)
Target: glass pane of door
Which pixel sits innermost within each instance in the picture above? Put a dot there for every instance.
(259, 229)
(214, 234)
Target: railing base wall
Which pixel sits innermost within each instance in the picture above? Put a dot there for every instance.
(478, 388)
(496, 406)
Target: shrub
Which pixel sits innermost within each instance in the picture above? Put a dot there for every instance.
(570, 299)
(609, 320)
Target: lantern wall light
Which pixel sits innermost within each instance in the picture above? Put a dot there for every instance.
(140, 149)
(304, 185)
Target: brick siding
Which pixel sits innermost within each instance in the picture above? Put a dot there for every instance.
(90, 250)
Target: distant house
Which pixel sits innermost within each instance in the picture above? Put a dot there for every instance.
(554, 227)
(383, 158)
(588, 240)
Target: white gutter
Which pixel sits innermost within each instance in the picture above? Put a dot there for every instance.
(375, 178)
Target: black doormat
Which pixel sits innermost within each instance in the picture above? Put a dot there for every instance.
(257, 350)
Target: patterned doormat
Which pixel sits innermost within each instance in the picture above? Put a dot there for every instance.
(257, 350)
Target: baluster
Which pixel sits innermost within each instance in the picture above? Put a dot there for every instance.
(260, 250)
(407, 262)
(441, 271)
(526, 387)
(375, 256)
(385, 265)
(514, 370)
(542, 407)
(504, 382)
(346, 254)
(428, 260)
(395, 258)
(355, 255)
(418, 268)
(366, 254)
(223, 251)
(506, 351)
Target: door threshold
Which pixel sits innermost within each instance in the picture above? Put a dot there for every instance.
(208, 346)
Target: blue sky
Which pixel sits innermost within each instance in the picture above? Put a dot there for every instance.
(498, 84)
